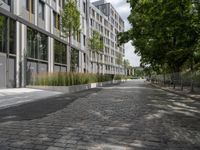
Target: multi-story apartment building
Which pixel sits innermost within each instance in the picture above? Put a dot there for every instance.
(31, 41)
(105, 20)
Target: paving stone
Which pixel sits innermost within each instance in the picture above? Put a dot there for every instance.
(130, 116)
(55, 148)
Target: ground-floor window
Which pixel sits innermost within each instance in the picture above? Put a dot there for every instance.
(74, 60)
(60, 57)
(37, 45)
(37, 54)
(7, 35)
(3, 33)
(12, 35)
(35, 68)
(60, 52)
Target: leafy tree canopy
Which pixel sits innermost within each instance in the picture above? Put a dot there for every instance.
(164, 32)
(70, 18)
(96, 42)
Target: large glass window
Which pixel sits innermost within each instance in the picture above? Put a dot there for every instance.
(31, 43)
(41, 9)
(56, 20)
(3, 33)
(42, 46)
(60, 52)
(37, 45)
(28, 5)
(12, 37)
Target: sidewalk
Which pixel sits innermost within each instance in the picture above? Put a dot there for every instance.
(185, 92)
(16, 96)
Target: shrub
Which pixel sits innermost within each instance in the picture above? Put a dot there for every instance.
(71, 78)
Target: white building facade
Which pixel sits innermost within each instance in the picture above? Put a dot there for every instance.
(31, 41)
(105, 20)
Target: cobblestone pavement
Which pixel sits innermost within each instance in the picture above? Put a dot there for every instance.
(130, 116)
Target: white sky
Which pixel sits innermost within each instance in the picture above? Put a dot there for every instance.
(123, 9)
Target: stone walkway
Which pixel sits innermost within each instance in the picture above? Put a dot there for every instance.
(130, 116)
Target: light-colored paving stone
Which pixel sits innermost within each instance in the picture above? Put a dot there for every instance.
(16, 96)
(130, 116)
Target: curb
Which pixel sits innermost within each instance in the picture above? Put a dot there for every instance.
(174, 92)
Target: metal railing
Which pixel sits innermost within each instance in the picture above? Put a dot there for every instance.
(189, 80)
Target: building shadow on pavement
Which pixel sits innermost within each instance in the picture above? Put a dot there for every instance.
(106, 119)
(40, 108)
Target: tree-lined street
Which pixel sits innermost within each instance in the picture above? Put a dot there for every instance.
(132, 115)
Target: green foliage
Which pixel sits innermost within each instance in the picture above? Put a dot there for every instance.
(96, 42)
(119, 59)
(138, 73)
(70, 18)
(96, 45)
(126, 63)
(69, 79)
(164, 32)
(120, 77)
(74, 59)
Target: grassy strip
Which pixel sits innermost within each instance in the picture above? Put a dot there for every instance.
(69, 79)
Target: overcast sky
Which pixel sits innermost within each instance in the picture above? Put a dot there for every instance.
(123, 9)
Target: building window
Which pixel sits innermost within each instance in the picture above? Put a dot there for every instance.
(93, 13)
(84, 40)
(41, 9)
(83, 23)
(84, 58)
(56, 19)
(79, 36)
(59, 3)
(7, 2)
(84, 7)
(37, 45)
(101, 19)
(91, 22)
(60, 52)
(28, 5)
(63, 3)
(12, 36)
(4, 34)
(74, 60)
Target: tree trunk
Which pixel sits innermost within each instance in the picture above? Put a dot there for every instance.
(192, 77)
(181, 84)
(69, 52)
(176, 75)
(97, 63)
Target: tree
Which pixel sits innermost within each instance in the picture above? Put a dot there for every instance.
(96, 45)
(70, 22)
(126, 65)
(119, 59)
(163, 32)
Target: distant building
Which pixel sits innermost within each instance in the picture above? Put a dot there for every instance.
(130, 71)
(105, 19)
(138, 71)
